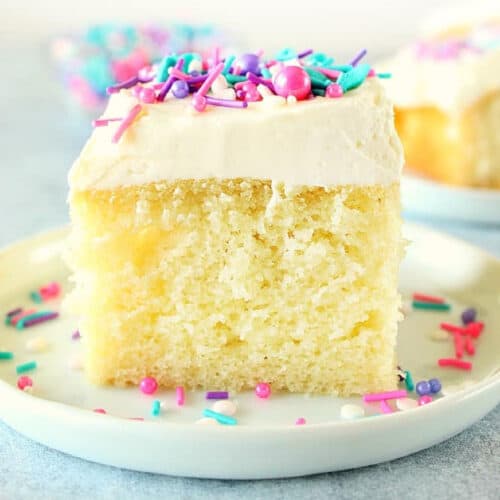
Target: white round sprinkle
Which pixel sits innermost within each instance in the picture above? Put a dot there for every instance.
(37, 344)
(28, 389)
(406, 307)
(439, 335)
(404, 404)
(352, 411)
(225, 406)
(291, 99)
(75, 363)
(207, 421)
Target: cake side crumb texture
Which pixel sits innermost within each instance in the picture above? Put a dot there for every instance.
(220, 284)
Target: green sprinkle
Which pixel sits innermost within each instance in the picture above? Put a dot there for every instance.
(6, 355)
(340, 67)
(36, 297)
(265, 72)
(384, 75)
(354, 77)
(156, 408)
(409, 381)
(26, 367)
(221, 418)
(165, 65)
(228, 63)
(430, 306)
(320, 92)
(40, 314)
(318, 79)
(232, 79)
(286, 54)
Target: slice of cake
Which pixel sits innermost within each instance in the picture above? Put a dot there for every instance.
(215, 247)
(446, 91)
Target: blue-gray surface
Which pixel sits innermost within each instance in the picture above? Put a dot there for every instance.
(38, 140)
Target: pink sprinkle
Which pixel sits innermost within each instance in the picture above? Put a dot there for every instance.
(422, 297)
(104, 122)
(469, 346)
(126, 122)
(300, 421)
(227, 103)
(23, 382)
(455, 363)
(139, 419)
(76, 335)
(424, 400)
(330, 73)
(17, 317)
(459, 345)
(474, 329)
(180, 394)
(167, 85)
(371, 73)
(448, 327)
(263, 390)
(381, 396)
(384, 406)
(205, 86)
(148, 385)
(50, 291)
(99, 410)
(177, 73)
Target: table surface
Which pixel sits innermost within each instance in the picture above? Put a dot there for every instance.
(39, 139)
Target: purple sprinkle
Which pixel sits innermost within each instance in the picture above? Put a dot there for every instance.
(469, 316)
(305, 53)
(227, 103)
(217, 395)
(170, 80)
(358, 57)
(197, 79)
(76, 335)
(14, 312)
(113, 89)
(41, 319)
(260, 81)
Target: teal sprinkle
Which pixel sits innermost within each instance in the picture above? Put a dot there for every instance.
(340, 67)
(156, 408)
(286, 54)
(318, 79)
(320, 92)
(165, 65)
(39, 314)
(232, 79)
(265, 72)
(223, 419)
(319, 59)
(26, 367)
(4, 355)
(384, 75)
(36, 297)
(430, 306)
(409, 381)
(354, 78)
(228, 63)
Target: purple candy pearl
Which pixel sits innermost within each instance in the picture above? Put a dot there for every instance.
(423, 388)
(469, 316)
(249, 63)
(435, 385)
(180, 89)
(194, 73)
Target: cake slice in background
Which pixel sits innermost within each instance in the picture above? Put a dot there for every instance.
(216, 248)
(446, 91)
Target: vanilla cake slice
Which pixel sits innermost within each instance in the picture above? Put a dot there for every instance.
(216, 248)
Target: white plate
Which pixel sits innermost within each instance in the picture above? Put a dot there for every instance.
(424, 197)
(266, 442)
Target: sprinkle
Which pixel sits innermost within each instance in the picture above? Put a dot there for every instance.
(384, 76)
(50, 291)
(423, 387)
(358, 57)
(265, 72)
(37, 344)
(354, 77)
(180, 396)
(126, 122)
(474, 329)
(469, 346)
(300, 421)
(178, 74)
(156, 408)
(468, 316)
(227, 64)
(36, 318)
(14, 312)
(205, 86)
(384, 406)
(170, 81)
(330, 73)
(409, 382)
(459, 345)
(435, 385)
(380, 396)
(318, 92)
(404, 404)
(137, 419)
(448, 327)
(12, 320)
(318, 79)
(225, 407)
(102, 411)
(455, 363)
(439, 335)
(424, 400)
(222, 419)
(26, 367)
(260, 81)
(350, 412)
(76, 335)
(36, 297)
(104, 122)
(24, 382)
(263, 390)
(6, 355)
(148, 385)
(130, 82)
(430, 306)
(165, 65)
(421, 297)
(217, 395)
(227, 103)
(207, 421)
(232, 79)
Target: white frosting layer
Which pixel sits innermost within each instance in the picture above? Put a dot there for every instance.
(452, 85)
(318, 142)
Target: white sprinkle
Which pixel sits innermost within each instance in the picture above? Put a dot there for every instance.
(28, 389)
(207, 421)
(37, 344)
(351, 412)
(75, 363)
(274, 100)
(439, 335)
(163, 404)
(220, 83)
(404, 404)
(291, 99)
(264, 91)
(225, 406)
(406, 307)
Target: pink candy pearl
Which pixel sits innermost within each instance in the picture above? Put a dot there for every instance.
(372, 72)
(300, 421)
(147, 95)
(334, 90)
(199, 102)
(149, 385)
(100, 410)
(262, 390)
(424, 400)
(23, 382)
(292, 80)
